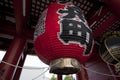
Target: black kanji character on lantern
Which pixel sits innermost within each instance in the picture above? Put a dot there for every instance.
(76, 31)
(72, 12)
(73, 28)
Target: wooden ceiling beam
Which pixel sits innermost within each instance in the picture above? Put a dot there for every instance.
(105, 25)
(97, 16)
(99, 29)
(113, 5)
(10, 29)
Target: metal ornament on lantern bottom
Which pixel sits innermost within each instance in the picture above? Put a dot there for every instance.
(64, 66)
(110, 49)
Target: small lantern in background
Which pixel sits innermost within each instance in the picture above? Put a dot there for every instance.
(63, 39)
(110, 49)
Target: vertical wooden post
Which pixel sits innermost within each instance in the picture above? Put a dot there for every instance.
(82, 74)
(12, 55)
(21, 63)
(59, 77)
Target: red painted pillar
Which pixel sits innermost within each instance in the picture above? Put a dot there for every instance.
(21, 63)
(12, 55)
(82, 74)
(59, 77)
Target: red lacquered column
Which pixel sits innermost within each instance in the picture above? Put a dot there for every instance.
(21, 63)
(59, 77)
(82, 74)
(12, 55)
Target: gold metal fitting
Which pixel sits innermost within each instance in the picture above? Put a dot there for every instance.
(64, 66)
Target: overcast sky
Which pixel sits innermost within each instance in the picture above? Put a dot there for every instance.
(34, 61)
(32, 74)
(28, 74)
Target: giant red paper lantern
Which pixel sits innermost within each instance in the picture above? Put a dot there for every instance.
(62, 32)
